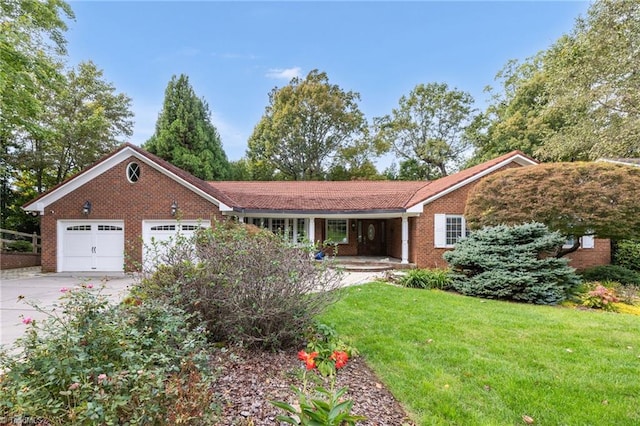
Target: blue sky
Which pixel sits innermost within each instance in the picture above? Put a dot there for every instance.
(234, 53)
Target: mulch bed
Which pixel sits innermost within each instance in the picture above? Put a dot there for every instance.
(248, 380)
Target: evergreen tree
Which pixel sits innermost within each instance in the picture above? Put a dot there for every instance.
(184, 133)
(512, 263)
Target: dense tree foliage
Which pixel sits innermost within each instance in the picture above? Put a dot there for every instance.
(81, 120)
(575, 199)
(309, 126)
(31, 40)
(512, 263)
(578, 100)
(31, 43)
(428, 128)
(184, 133)
(516, 119)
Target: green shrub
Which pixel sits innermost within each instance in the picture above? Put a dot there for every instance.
(427, 278)
(514, 263)
(21, 246)
(614, 273)
(627, 254)
(92, 362)
(249, 286)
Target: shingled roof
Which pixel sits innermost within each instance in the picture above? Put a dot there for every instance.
(330, 197)
(352, 196)
(320, 196)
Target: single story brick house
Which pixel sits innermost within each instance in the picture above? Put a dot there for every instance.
(103, 218)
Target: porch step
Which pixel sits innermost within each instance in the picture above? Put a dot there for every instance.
(359, 267)
(370, 263)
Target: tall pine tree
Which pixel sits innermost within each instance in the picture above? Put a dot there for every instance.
(184, 133)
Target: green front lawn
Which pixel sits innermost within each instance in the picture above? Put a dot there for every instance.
(452, 359)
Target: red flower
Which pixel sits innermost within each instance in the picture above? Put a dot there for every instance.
(340, 357)
(308, 359)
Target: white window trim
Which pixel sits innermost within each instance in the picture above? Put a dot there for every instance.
(291, 229)
(440, 229)
(326, 229)
(586, 242)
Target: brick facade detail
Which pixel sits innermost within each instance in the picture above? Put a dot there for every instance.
(113, 197)
(18, 260)
(600, 254)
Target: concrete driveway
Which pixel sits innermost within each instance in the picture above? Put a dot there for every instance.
(45, 290)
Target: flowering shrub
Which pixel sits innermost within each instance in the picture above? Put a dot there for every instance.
(324, 407)
(93, 362)
(600, 297)
(324, 341)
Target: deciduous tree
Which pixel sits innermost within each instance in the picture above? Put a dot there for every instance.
(429, 127)
(594, 78)
(31, 41)
(185, 135)
(81, 120)
(307, 126)
(31, 44)
(579, 100)
(575, 199)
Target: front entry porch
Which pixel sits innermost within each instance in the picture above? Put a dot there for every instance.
(374, 235)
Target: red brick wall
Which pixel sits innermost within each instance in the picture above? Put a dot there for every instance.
(422, 250)
(394, 238)
(600, 254)
(421, 241)
(113, 197)
(19, 260)
(349, 249)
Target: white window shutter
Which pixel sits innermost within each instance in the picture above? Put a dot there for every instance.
(440, 230)
(587, 242)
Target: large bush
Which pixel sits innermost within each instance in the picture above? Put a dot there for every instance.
(512, 262)
(627, 254)
(92, 362)
(613, 273)
(249, 286)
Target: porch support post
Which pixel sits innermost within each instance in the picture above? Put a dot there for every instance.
(405, 240)
(312, 230)
(241, 219)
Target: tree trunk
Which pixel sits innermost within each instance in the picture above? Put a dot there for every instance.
(561, 252)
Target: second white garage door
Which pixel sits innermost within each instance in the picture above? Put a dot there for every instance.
(157, 236)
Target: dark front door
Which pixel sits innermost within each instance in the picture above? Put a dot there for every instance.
(371, 237)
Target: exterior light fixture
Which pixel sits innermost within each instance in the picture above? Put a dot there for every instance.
(86, 208)
(174, 208)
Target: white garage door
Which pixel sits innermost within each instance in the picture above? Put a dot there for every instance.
(91, 246)
(158, 236)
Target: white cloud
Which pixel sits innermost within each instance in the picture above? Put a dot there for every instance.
(285, 74)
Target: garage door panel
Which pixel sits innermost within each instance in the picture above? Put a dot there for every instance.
(78, 243)
(159, 236)
(109, 250)
(92, 246)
